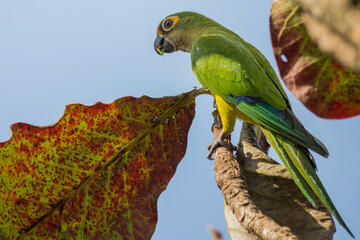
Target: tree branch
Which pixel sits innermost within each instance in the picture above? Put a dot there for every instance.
(215, 234)
(232, 182)
(262, 196)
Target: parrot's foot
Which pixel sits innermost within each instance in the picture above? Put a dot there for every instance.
(223, 140)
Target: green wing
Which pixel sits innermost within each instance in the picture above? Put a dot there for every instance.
(269, 71)
(219, 58)
(234, 70)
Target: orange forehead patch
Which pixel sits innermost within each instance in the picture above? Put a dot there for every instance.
(158, 31)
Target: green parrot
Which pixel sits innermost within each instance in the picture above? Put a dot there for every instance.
(245, 86)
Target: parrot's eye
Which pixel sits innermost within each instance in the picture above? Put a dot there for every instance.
(169, 23)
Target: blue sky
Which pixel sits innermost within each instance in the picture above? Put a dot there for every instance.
(53, 53)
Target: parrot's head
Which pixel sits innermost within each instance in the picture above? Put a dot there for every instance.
(179, 31)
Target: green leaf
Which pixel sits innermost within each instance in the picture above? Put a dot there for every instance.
(95, 174)
(323, 85)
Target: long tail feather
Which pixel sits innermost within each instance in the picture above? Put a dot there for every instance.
(299, 180)
(296, 159)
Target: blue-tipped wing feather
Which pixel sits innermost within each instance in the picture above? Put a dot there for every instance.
(237, 72)
(282, 122)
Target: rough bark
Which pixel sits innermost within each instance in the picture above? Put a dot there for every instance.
(261, 199)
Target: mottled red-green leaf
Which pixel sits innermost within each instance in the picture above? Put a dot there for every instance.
(324, 86)
(95, 174)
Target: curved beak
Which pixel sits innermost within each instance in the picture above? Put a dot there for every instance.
(162, 45)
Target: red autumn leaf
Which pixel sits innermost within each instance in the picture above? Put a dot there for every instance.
(95, 174)
(324, 86)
